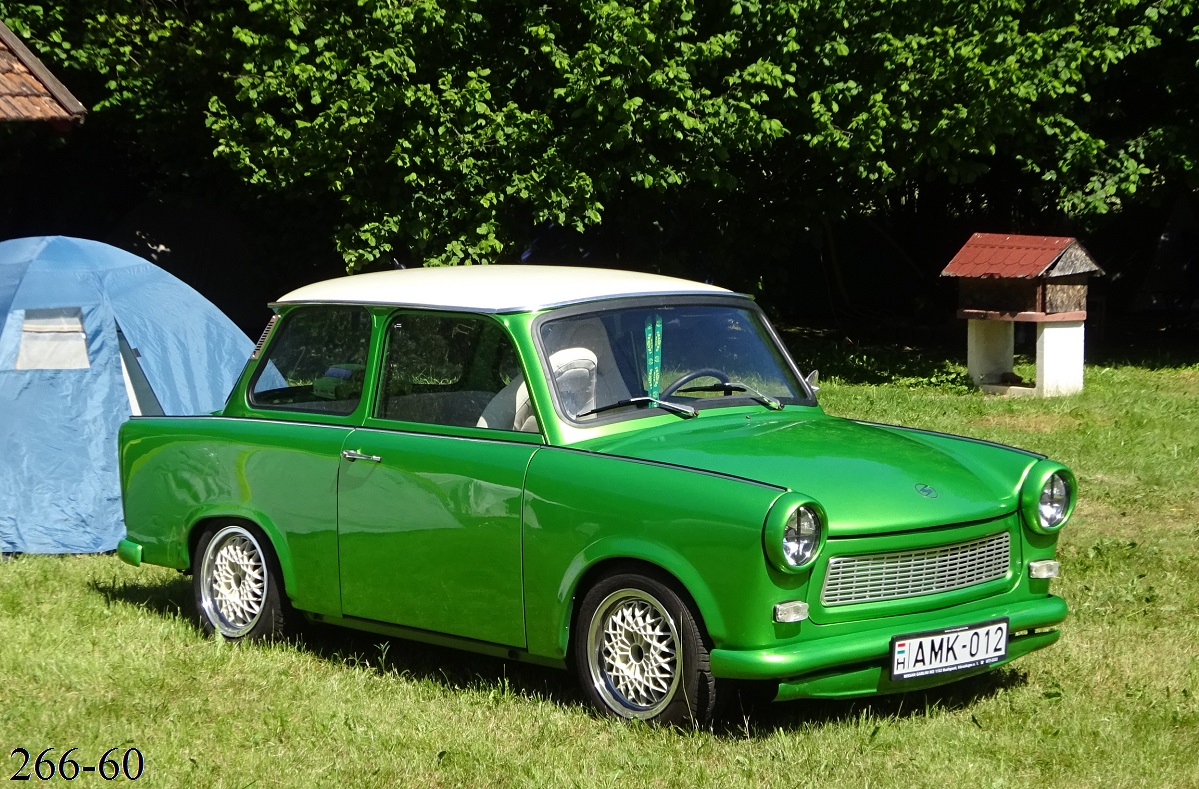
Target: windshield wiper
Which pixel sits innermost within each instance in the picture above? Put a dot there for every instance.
(684, 411)
(737, 386)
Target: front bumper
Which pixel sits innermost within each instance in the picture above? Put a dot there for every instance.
(854, 662)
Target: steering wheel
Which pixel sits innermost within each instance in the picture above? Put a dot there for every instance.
(686, 378)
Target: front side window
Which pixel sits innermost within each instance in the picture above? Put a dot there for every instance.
(453, 370)
(695, 356)
(316, 362)
(53, 339)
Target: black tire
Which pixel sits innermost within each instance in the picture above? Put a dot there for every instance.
(639, 653)
(237, 584)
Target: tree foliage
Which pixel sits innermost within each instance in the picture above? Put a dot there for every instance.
(453, 131)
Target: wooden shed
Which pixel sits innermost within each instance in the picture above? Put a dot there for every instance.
(1005, 279)
(28, 91)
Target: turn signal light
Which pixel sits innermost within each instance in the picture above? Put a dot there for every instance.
(794, 611)
(1044, 569)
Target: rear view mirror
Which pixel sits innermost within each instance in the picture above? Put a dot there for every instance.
(812, 379)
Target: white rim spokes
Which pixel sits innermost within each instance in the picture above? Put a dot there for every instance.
(237, 581)
(235, 576)
(639, 653)
(633, 653)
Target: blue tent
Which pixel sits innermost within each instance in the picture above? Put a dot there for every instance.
(92, 334)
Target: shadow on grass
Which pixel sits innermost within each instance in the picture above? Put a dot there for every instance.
(755, 718)
(451, 668)
(745, 713)
(173, 597)
(357, 649)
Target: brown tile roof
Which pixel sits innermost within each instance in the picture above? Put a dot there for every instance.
(28, 91)
(1019, 257)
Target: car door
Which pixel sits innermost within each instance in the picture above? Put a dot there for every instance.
(430, 487)
(279, 460)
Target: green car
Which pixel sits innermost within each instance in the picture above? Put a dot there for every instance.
(624, 474)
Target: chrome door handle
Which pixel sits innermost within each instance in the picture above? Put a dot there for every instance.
(353, 454)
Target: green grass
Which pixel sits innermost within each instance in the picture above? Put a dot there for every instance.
(95, 654)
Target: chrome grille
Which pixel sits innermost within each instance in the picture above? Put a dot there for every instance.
(891, 576)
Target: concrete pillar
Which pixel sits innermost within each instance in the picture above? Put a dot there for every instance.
(990, 348)
(1059, 358)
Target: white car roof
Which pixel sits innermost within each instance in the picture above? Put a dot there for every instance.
(494, 288)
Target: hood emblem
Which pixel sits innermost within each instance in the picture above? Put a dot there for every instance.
(927, 491)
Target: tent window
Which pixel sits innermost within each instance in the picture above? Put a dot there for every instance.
(53, 339)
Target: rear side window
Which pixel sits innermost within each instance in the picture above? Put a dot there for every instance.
(453, 370)
(316, 361)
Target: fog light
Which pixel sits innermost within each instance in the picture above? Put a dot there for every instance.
(794, 611)
(1044, 569)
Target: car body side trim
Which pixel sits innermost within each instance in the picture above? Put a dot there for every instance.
(663, 464)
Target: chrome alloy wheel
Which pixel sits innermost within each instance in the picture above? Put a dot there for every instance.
(633, 654)
(233, 581)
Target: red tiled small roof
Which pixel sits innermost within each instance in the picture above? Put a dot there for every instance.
(28, 91)
(999, 255)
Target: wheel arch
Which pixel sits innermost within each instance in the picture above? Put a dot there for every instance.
(617, 564)
(274, 539)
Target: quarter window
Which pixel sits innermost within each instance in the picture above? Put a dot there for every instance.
(317, 361)
(453, 370)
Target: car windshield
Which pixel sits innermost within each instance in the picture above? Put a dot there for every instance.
(626, 362)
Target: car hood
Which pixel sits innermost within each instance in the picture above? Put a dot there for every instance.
(869, 478)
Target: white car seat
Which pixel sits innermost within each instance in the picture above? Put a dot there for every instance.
(573, 370)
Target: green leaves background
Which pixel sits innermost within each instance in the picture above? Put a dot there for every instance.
(455, 131)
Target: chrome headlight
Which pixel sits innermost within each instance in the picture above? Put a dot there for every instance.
(801, 536)
(1055, 499)
(794, 532)
(1048, 497)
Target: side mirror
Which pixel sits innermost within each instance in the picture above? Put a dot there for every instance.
(812, 379)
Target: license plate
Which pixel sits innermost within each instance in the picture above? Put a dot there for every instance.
(952, 649)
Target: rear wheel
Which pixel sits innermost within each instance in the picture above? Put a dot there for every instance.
(236, 584)
(640, 654)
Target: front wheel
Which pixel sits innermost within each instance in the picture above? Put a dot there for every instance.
(236, 583)
(639, 653)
